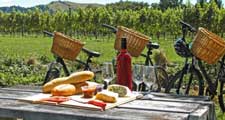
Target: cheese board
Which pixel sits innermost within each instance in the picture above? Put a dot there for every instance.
(74, 101)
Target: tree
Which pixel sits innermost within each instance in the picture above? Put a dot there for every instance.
(128, 5)
(218, 3)
(201, 2)
(164, 4)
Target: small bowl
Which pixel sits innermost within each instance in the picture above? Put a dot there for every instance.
(88, 91)
(99, 88)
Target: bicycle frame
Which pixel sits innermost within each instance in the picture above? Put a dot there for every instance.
(86, 64)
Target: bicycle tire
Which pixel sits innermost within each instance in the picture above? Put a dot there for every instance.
(171, 81)
(52, 73)
(198, 74)
(221, 96)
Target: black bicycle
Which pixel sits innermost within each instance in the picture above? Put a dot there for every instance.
(54, 69)
(197, 68)
(182, 49)
(160, 72)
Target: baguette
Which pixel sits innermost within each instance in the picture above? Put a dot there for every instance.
(78, 87)
(76, 77)
(82, 76)
(63, 90)
(107, 96)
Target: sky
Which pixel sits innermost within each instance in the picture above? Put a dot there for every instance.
(31, 3)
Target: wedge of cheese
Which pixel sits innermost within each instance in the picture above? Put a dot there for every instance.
(120, 89)
(107, 96)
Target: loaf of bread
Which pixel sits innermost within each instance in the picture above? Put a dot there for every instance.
(82, 76)
(78, 87)
(120, 89)
(107, 96)
(76, 77)
(63, 90)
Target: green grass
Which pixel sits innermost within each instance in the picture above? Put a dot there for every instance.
(26, 47)
(14, 52)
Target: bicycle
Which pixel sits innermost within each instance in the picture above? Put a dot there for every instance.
(159, 70)
(183, 50)
(56, 66)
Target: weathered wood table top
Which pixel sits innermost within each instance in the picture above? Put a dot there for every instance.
(153, 106)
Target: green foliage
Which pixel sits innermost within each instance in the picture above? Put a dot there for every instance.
(16, 71)
(24, 60)
(128, 5)
(165, 4)
(83, 21)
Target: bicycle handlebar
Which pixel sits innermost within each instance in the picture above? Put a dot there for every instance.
(190, 28)
(114, 29)
(48, 33)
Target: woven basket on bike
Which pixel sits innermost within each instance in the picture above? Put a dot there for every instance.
(66, 47)
(207, 46)
(136, 41)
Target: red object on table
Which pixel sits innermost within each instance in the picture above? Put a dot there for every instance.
(88, 91)
(124, 74)
(98, 103)
(56, 99)
(60, 99)
(92, 102)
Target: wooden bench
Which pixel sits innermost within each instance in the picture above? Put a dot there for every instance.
(155, 106)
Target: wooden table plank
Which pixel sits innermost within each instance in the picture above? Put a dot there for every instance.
(18, 109)
(162, 106)
(202, 100)
(46, 111)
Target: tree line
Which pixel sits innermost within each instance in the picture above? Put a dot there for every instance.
(84, 21)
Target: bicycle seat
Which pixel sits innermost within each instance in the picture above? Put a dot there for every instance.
(151, 45)
(91, 53)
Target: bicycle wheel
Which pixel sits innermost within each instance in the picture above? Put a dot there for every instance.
(53, 72)
(172, 80)
(221, 96)
(209, 72)
(161, 78)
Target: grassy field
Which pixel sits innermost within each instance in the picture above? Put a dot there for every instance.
(28, 47)
(17, 53)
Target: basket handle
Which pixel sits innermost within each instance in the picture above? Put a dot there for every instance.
(190, 28)
(114, 30)
(48, 33)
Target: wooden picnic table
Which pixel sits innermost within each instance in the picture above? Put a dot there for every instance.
(153, 106)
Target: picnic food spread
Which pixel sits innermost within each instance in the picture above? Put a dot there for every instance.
(67, 91)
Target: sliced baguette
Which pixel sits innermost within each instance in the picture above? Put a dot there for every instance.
(76, 77)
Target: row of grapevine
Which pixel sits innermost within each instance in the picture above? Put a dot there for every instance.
(88, 21)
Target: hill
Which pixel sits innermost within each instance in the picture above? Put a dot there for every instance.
(53, 6)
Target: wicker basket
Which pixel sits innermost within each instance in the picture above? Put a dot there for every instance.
(207, 46)
(136, 41)
(66, 47)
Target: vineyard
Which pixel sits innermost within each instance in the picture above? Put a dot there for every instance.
(25, 51)
(82, 21)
